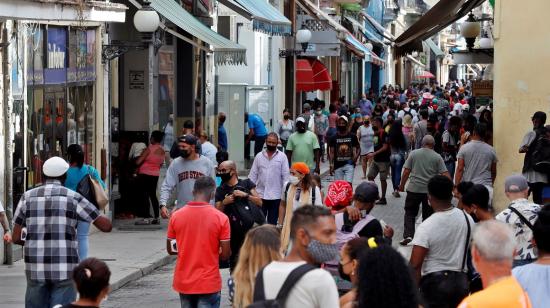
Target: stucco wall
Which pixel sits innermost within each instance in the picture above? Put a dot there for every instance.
(522, 60)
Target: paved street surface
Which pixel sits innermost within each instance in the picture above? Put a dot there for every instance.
(155, 290)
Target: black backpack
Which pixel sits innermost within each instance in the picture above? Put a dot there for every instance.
(243, 215)
(260, 301)
(540, 154)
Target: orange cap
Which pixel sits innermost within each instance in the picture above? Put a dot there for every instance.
(300, 167)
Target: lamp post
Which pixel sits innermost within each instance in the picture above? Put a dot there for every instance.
(147, 21)
(470, 30)
(303, 36)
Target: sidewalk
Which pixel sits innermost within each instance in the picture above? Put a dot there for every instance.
(131, 253)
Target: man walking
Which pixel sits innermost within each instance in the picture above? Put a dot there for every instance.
(269, 172)
(343, 151)
(365, 105)
(537, 180)
(199, 247)
(381, 157)
(440, 248)
(320, 127)
(421, 128)
(313, 235)
(303, 146)
(256, 131)
(232, 191)
(521, 215)
(421, 165)
(222, 133)
(182, 173)
(492, 254)
(477, 161)
(50, 213)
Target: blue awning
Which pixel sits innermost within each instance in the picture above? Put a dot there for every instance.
(265, 17)
(368, 34)
(225, 51)
(435, 49)
(369, 55)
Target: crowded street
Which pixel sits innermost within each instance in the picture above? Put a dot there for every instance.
(274, 153)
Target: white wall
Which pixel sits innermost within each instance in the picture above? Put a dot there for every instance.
(136, 105)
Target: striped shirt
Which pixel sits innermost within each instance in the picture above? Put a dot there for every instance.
(50, 214)
(269, 175)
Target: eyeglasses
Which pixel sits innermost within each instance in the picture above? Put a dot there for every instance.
(345, 263)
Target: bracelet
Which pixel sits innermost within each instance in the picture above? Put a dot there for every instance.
(279, 226)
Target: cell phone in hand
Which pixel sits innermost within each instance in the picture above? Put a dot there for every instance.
(174, 245)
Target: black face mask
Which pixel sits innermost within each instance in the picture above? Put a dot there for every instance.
(184, 153)
(271, 148)
(224, 176)
(342, 129)
(342, 274)
(301, 129)
(286, 116)
(366, 122)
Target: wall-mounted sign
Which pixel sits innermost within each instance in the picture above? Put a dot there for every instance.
(137, 80)
(482, 88)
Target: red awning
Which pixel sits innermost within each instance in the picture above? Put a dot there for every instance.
(321, 76)
(304, 76)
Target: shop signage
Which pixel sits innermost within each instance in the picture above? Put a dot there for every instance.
(137, 80)
(56, 68)
(482, 88)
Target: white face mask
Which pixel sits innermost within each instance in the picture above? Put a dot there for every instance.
(293, 180)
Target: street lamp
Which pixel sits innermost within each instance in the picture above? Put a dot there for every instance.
(470, 30)
(146, 20)
(303, 36)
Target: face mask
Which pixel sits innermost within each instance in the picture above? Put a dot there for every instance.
(293, 180)
(224, 176)
(366, 123)
(319, 112)
(342, 274)
(271, 148)
(301, 129)
(342, 129)
(286, 116)
(322, 253)
(184, 153)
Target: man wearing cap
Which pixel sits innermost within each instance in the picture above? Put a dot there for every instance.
(306, 107)
(182, 173)
(303, 146)
(50, 214)
(343, 150)
(537, 180)
(521, 216)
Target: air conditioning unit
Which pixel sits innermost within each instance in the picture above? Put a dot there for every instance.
(227, 27)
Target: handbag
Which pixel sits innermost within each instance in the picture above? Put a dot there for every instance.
(91, 189)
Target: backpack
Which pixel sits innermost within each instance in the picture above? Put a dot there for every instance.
(90, 189)
(259, 300)
(312, 195)
(540, 154)
(408, 112)
(243, 215)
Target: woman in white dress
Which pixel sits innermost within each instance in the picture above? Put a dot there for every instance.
(365, 135)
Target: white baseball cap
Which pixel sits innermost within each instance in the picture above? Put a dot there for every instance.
(55, 167)
(300, 119)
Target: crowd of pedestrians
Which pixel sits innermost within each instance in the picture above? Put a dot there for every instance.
(286, 245)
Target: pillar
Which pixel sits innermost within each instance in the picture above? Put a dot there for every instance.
(520, 87)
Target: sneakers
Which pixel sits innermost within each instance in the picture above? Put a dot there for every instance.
(382, 201)
(142, 222)
(396, 194)
(155, 221)
(405, 241)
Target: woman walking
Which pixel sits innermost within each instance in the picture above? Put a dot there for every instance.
(398, 146)
(365, 135)
(149, 163)
(75, 174)
(286, 127)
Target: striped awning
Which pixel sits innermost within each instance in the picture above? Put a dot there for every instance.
(361, 50)
(368, 35)
(265, 17)
(226, 52)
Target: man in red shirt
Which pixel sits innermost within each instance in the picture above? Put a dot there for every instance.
(199, 234)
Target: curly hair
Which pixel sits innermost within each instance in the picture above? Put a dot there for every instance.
(385, 280)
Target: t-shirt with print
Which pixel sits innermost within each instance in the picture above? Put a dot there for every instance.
(198, 229)
(320, 124)
(505, 293)
(452, 141)
(302, 146)
(378, 140)
(533, 278)
(478, 158)
(424, 164)
(525, 247)
(344, 148)
(316, 289)
(436, 233)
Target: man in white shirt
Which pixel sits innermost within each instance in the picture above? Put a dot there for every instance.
(313, 236)
(208, 149)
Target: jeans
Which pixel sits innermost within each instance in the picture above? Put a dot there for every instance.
(321, 139)
(82, 234)
(451, 165)
(271, 210)
(396, 163)
(412, 205)
(48, 294)
(259, 144)
(149, 189)
(344, 173)
(200, 300)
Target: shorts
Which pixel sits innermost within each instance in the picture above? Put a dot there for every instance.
(382, 168)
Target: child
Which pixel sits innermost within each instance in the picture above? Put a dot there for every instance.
(5, 224)
(316, 180)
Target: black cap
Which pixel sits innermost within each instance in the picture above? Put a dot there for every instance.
(366, 192)
(189, 139)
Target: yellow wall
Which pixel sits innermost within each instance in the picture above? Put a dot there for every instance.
(521, 83)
